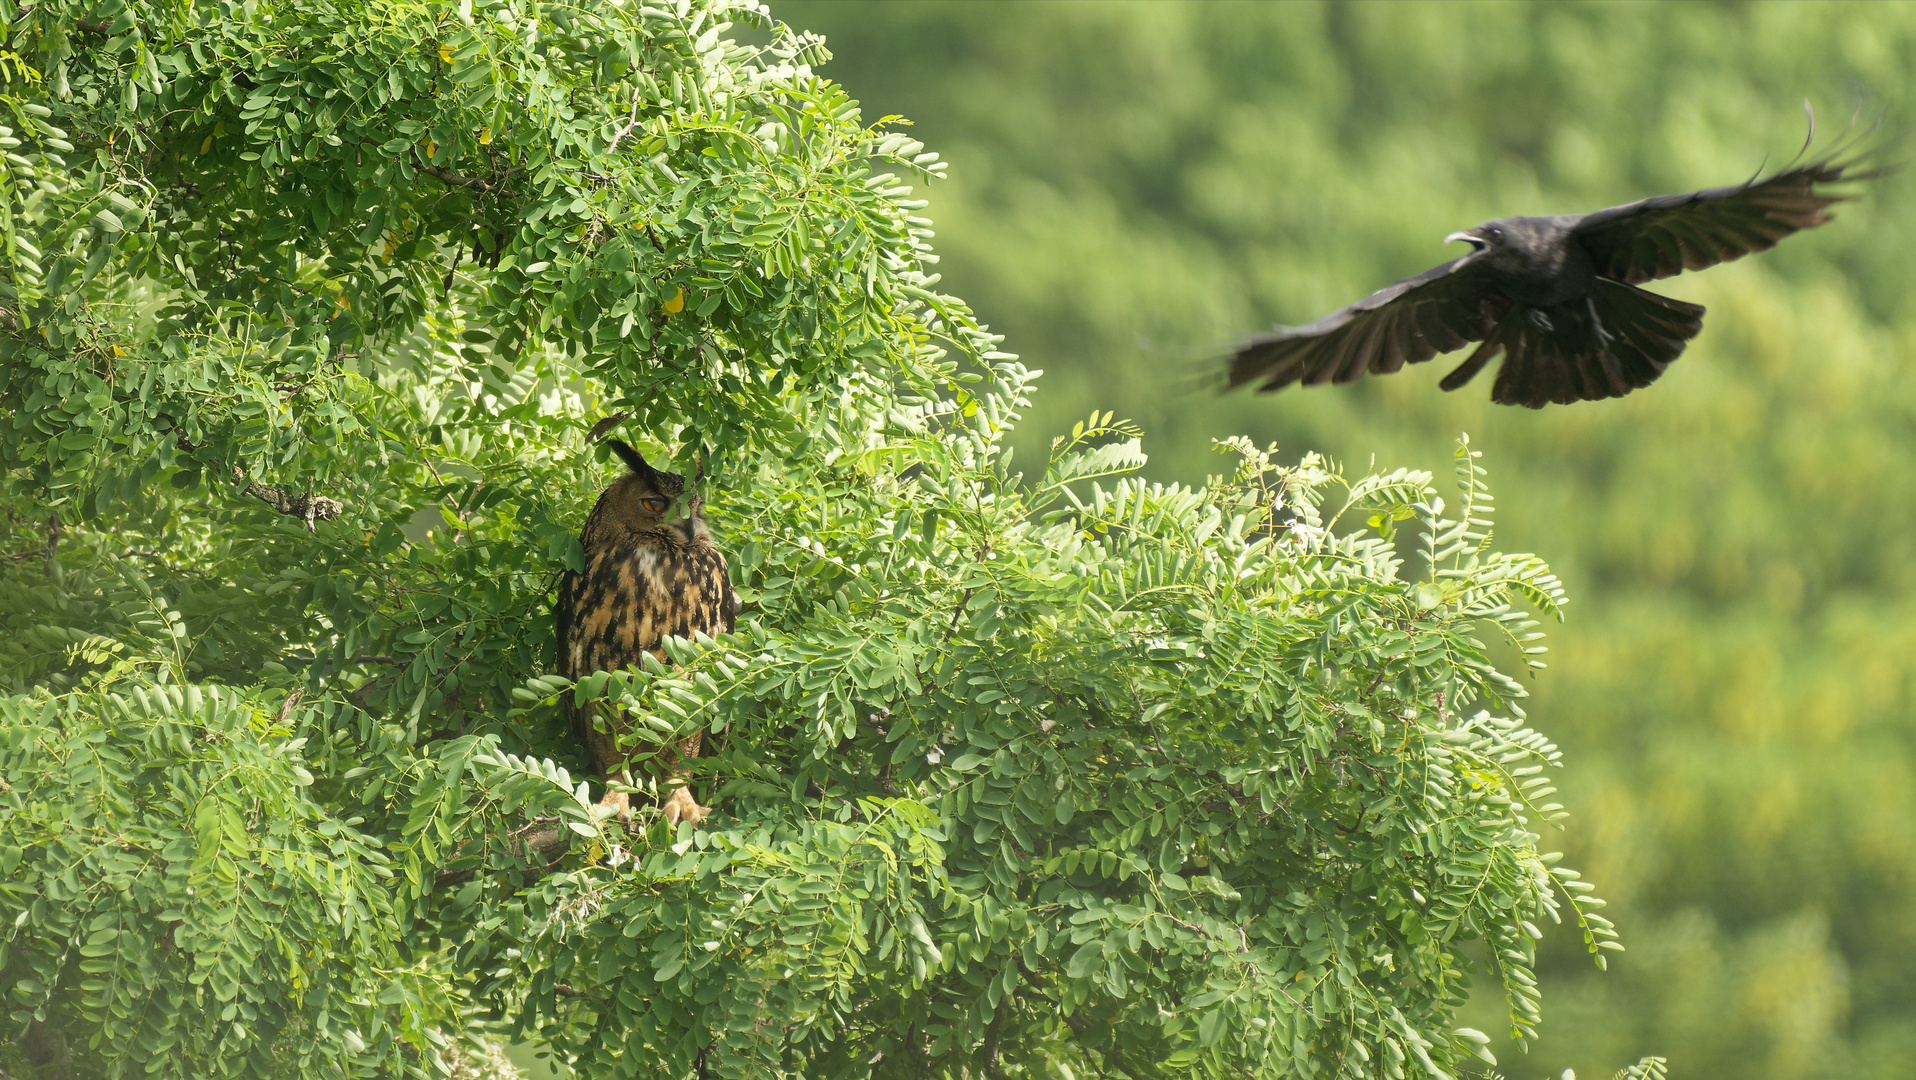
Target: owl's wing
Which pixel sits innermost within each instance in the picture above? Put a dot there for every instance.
(728, 607)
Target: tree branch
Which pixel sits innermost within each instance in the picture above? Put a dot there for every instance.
(453, 179)
(994, 1035)
(1113, 1057)
(307, 507)
(545, 837)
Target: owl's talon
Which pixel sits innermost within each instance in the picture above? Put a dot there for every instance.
(620, 805)
(680, 806)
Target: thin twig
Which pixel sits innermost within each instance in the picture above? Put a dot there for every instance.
(447, 176)
(630, 123)
(308, 507)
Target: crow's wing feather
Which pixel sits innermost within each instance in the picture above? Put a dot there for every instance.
(1664, 236)
(1443, 308)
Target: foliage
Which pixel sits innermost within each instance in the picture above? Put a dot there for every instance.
(307, 311)
(187, 899)
(1733, 689)
(1044, 759)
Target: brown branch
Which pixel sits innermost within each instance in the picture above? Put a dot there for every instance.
(447, 176)
(46, 1047)
(363, 659)
(542, 836)
(952, 628)
(568, 990)
(450, 271)
(603, 426)
(994, 1035)
(307, 507)
(1113, 1057)
(453, 179)
(291, 388)
(631, 122)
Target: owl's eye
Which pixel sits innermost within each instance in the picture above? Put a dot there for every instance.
(654, 505)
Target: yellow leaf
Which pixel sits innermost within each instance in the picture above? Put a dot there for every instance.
(677, 303)
(485, 136)
(207, 145)
(445, 53)
(431, 148)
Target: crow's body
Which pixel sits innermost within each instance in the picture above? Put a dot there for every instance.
(1556, 296)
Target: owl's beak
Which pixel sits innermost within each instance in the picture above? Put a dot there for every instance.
(692, 525)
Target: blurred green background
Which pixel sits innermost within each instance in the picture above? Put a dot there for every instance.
(1135, 184)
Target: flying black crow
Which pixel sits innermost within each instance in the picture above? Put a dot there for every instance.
(1556, 296)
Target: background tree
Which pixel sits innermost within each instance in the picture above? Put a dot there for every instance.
(307, 311)
(1734, 681)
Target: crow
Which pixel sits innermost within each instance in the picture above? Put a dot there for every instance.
(1557, 296)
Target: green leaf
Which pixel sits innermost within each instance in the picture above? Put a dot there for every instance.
(1086, 960)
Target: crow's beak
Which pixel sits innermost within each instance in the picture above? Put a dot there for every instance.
(1476, 243)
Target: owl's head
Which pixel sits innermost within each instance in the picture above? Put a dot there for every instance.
(642, 499)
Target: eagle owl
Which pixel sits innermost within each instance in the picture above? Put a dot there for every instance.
(645, 577)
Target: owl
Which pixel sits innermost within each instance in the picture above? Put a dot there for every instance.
(645, 577)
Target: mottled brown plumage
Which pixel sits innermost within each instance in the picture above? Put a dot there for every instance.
(645, 577)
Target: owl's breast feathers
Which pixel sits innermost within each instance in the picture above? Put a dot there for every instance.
(633, 594)
(636, 589)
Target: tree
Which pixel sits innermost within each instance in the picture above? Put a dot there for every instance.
(308, 311)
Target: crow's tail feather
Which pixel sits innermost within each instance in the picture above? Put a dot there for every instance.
(1618, 341)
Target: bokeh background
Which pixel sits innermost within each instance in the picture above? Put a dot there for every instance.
(1134, 184)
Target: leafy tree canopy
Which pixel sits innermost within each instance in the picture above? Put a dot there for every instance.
(308, 309)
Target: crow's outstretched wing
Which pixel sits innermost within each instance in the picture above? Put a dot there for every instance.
(1441, 309)
(1664, 236)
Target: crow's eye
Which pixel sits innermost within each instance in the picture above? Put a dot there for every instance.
(654, 505)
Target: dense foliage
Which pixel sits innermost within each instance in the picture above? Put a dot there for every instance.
(307, 313)
(1734, 688)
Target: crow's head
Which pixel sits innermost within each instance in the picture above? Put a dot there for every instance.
(1518, 246)
(1490, 236)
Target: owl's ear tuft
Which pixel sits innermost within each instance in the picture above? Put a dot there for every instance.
(632, 458)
